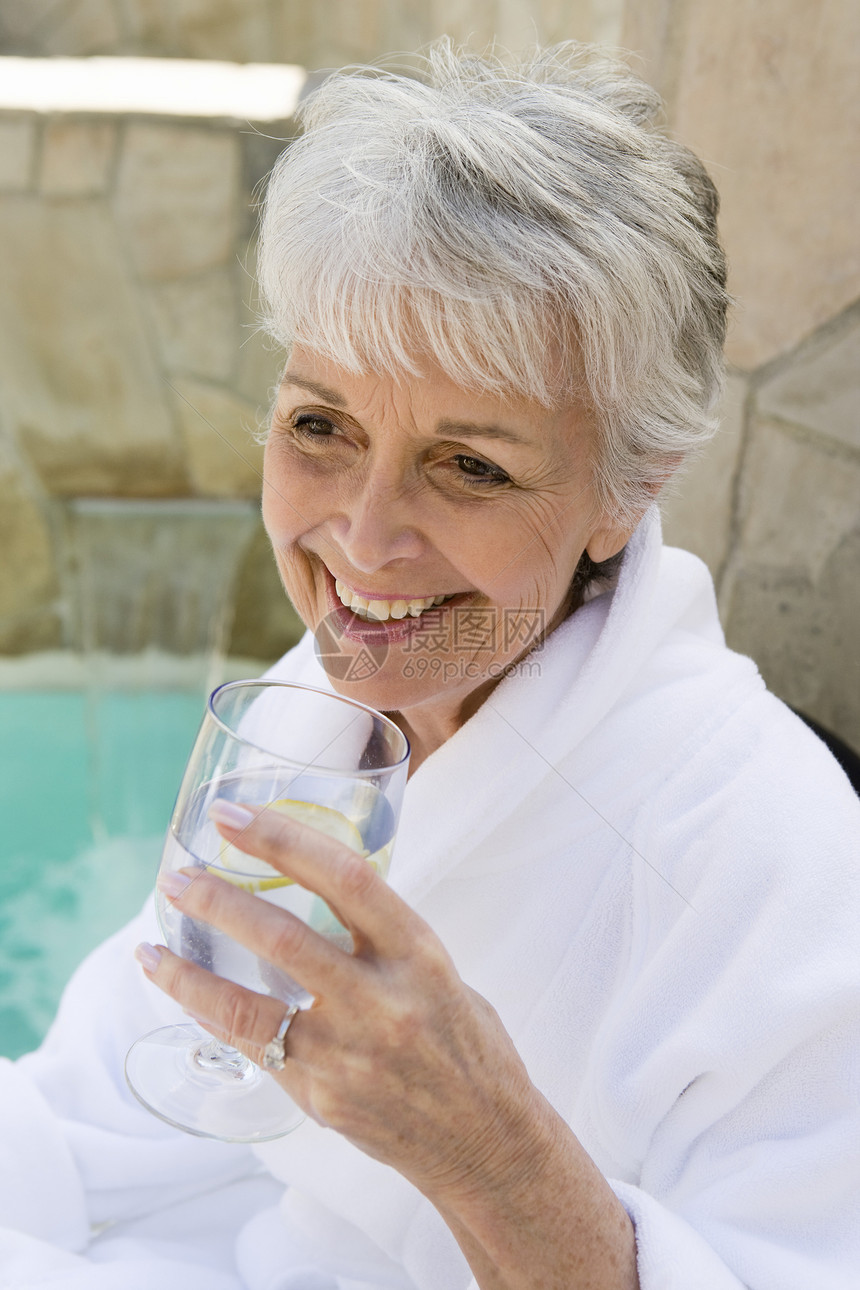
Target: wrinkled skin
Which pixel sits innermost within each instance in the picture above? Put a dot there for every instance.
(419, 488)
(429, 1033)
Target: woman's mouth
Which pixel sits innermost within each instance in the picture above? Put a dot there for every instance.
(383, 611)
(370, 619)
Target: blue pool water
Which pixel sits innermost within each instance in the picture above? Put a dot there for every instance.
(86, 790)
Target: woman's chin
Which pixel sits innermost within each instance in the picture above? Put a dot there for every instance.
(383, 692)
(442, 698)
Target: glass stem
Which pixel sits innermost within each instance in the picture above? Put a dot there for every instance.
(221, 1062)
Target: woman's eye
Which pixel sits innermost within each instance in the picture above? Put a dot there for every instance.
(313, 427)
(476, 471)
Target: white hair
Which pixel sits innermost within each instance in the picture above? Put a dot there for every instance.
(528, 226)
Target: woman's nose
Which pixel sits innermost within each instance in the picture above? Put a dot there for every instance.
(377, 525)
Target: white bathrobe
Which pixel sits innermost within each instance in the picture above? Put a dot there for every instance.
(650, 867)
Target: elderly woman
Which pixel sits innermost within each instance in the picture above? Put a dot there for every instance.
(601, 1029)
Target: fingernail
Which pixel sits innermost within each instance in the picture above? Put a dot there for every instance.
(148, 956)
(173, 883)
(230, 814)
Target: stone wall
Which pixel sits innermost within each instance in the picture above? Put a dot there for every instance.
(327, 33)
(766, 94)
(129, 364)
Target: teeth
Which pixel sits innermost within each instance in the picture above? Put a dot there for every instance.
(381, 610)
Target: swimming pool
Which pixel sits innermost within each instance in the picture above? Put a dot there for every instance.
(87, 783)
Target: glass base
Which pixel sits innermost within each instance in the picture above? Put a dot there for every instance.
(189, 1080)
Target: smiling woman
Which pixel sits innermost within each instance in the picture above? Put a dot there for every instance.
(381, 514)
(596, 1030)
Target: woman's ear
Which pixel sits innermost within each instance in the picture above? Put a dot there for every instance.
(606, 542)
(614, 536)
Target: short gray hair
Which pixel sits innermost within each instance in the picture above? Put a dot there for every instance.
(528, 226)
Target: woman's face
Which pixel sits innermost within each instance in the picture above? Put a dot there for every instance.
(385, 495)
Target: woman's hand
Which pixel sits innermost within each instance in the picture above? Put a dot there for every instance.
(408, 1063)
(396, 1053)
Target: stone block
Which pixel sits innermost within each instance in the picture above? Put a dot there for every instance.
(653, 32)
(27, 576)
(197, 324)
(38, 629)
(517, 25)
(80, 386)
(79, 28)
(766, 93)
(265, 624)
(177, 198)
(803, 634)
(697, 511)
(236, 30)
(17, 146)
(76, 157)
(798, 500)
(218, 430)
(820, 386)
(22, 25)
(607, 21)
(260, 359)
(261, 362)
(293, 33)
(353, 27)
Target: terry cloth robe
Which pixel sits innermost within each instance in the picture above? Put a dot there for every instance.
(650, 867)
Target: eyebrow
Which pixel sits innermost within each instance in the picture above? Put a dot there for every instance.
(476, 430)
(462, 429)
(321, 391)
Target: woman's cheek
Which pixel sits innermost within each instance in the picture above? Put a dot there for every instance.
(298, 493)
(285, 509)
(292, 563)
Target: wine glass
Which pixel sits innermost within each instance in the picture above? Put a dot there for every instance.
(320, 758)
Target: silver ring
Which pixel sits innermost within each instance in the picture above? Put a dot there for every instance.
(275, 1052)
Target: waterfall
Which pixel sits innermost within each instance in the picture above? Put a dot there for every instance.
(156, 575)
(151, 586)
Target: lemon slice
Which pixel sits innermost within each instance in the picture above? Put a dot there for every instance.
(252, 874)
